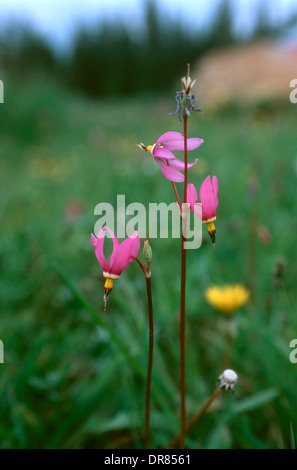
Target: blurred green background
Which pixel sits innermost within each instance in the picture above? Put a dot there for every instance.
(74, 376)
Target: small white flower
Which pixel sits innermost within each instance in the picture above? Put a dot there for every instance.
(228, 379)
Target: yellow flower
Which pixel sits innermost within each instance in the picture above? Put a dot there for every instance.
(228, 298)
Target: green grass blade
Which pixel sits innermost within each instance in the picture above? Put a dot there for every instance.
(255, 401)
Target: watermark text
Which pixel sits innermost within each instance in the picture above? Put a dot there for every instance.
(159, 220)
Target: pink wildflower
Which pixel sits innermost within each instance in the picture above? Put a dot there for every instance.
(209, 200)
(122, 255)
(162, 153)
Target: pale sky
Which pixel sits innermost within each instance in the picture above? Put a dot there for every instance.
(56, 19)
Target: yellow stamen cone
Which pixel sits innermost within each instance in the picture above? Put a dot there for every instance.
(108, 284)
(107, 289)
(212, 232)
(149, 148)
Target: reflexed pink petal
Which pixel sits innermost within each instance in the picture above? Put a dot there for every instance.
(198, 209)
(180, 165)
(115, 241)
(101, 233)
(215, 185)
(98, 244)
(192, 144)
(93, 240)
(215, 188)
(208, 198)
(171, 135)
(205, 188)
(161, 152)
(160, 161)
(191, 196)
(116, 244)
(172, 174)
(126, 252)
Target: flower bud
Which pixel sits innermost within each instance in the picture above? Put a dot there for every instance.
(147, 251)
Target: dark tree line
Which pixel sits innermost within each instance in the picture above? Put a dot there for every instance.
(108, 59)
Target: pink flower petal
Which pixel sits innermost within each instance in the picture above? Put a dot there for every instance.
(126, 252)
(208, 198)
(215, 185)
(198, 209)
(160, 161)
(98, 244)
(162, 152)
(172, 174)
(171, 135)
(192, 200)
(180, 165)
(115, 246)
(192, 144)
(93, 240)
(191, 195)
(206, 188)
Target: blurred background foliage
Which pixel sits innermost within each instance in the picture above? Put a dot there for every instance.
(74, 376)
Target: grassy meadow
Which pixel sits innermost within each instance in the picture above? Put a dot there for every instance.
(74, 376)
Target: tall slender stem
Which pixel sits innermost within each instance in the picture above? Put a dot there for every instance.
(196, 417)
(150, 363)
(183, 306)
(186, 157)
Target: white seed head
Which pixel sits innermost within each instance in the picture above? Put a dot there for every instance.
(228, 379)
